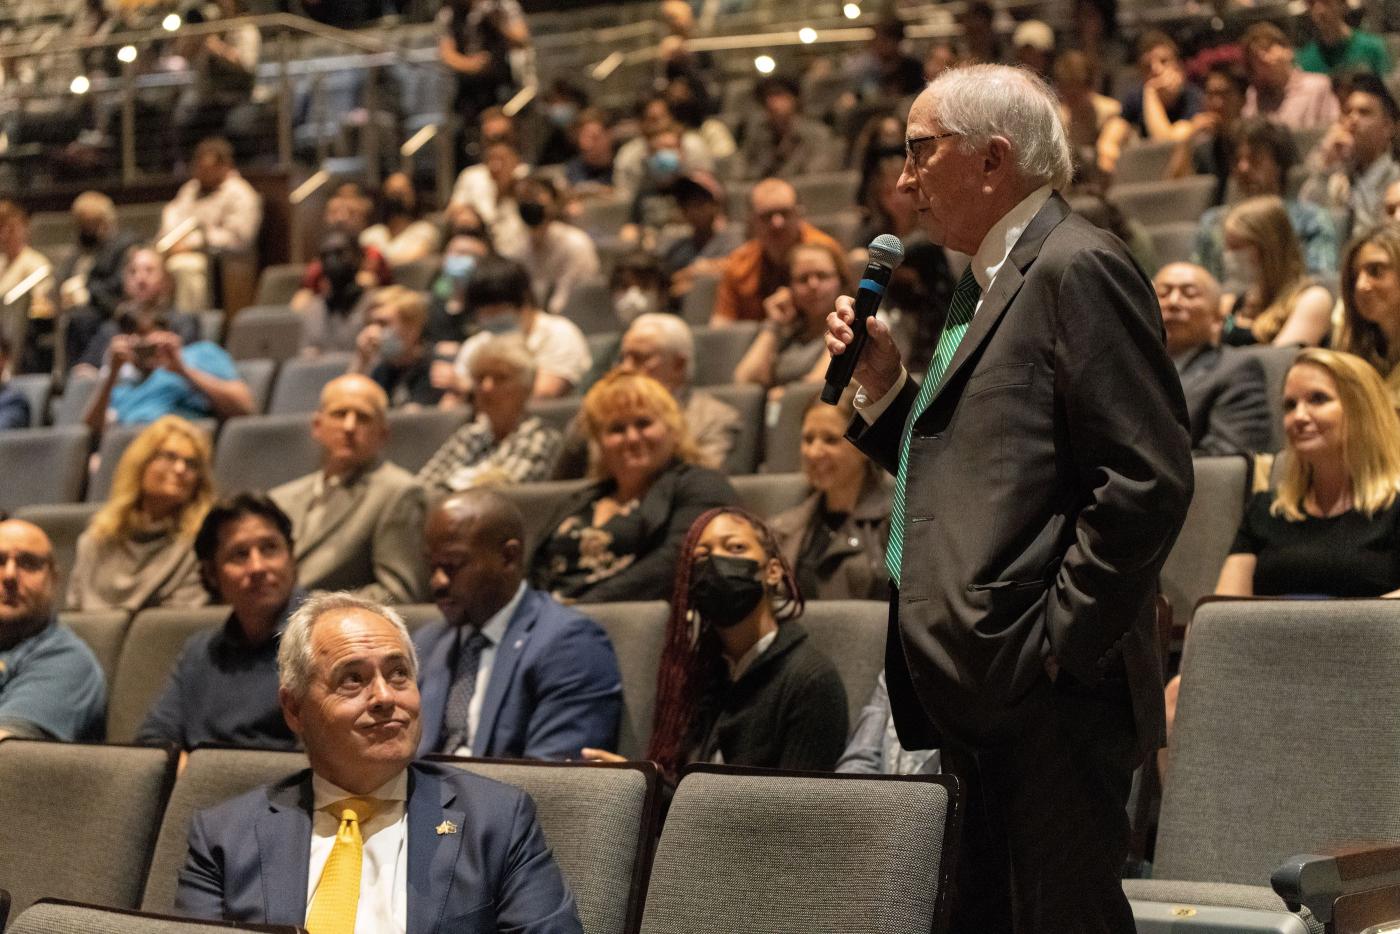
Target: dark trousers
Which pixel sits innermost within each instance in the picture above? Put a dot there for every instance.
(1045, 829)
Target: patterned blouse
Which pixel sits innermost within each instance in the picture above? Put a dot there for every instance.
(472, 456)
(579, 554)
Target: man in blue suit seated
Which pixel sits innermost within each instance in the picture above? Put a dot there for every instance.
(510, 672)
(367, 841)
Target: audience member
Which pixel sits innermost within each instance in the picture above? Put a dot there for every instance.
(781, 141)
(690, 103)
(51, 686)
(651, 204)
(1096, 35)
(1206, 145)
(1163, 100)
(357, 521)
(1332, 527)
(675, 56)
(1354, 163)
(145, 305)
(328, 848)
(501, 301)
(637, 286)
(475, 40)
(631, 165)
(748, 688)
(392, 348)
(14, 404)
(502, 444)
(884, 208)
(223, 688)
(135, 553)
(347, 212)
(508, 672)
(1086, 113)
(885, 73)
(215, 212)
(874, 747)
(1263, 155)
(1371, 303)
(447, 297)
(1033, 43)
(20, 263)
(490, 190)
(402, 236)
(554, 115)
(90, 280)
(620, 537)
(791, 345)
(590, 171)
(560, 257)
(1391, 204)
(1277, 301)
(1278, 89)
(224, 68)
(835, 540)
(1337, 49)
(711, 237)
(758, 268)
(979, 36)
(334, 310)
(1227, 395)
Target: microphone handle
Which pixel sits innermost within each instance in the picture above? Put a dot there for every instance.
(839, 371)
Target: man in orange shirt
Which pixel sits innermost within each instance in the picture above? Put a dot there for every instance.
(758, 268)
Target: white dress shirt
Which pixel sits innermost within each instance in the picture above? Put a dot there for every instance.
(494, 631)
(383, 905)
(991, 255)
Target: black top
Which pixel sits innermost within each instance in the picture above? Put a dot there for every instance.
(224, 691)
(787, 711)
(411, 383)
(1343, 556)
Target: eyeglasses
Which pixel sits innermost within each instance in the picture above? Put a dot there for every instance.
(170, 459)
(913, 141)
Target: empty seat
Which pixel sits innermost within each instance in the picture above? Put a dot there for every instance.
(1213, 518)
(1175, 201)
(55, 916)
(258, 375)
(826, 192)
(103, 631)
(415, 435)
(767, 494)
(1144, 162)
(300, 381)
(749, 400)
(638, 632)
(80, 821)
(279, 283)
(115, 440)
(1173, 243)
(62, 523)
(852, 634)
(699, 303)
(782, 854)
(602, 217)
(68, 408)
(270, 332)
(419, 274)
(36, 388)
(719, 350)
(148, 655)
(43, 465)
(261, 451)
(782, 442)
(539, 503)
(590, 306)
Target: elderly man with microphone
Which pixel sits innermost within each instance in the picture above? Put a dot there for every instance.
(1043, 470)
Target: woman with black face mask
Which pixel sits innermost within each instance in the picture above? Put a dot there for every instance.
(740, 682)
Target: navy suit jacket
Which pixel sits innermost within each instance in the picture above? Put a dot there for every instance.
(249, 858)
(554, 686)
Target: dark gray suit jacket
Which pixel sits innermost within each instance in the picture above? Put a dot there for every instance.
(1228, 399)
(1049, 478)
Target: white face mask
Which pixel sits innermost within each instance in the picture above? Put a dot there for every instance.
(632, 303)
(1241, 271)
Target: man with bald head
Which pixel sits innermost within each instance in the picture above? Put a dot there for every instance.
(1226, 389)
(51, 686)
(509, 672)
(758, 268)
(357, 521)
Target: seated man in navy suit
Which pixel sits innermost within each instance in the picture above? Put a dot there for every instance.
(367, 840)
(510, 673)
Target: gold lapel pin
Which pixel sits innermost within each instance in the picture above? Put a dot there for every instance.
(446, 827)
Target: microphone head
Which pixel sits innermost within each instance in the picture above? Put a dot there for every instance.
(886, 250)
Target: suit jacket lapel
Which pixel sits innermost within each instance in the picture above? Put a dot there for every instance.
(434, 683)
(508, 653)
(1005, 286)
(431, 855)
(341, 504)
(284, 849)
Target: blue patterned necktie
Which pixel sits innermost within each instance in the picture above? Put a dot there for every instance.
(965, 298)
(456, 720)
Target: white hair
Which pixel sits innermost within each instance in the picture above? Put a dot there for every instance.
(509, 349)
(978, 102)
(675, 336)
(294, 658)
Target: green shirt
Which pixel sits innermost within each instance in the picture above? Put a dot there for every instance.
(1359, 50)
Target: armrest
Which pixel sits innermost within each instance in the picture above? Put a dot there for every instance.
(1319, 882)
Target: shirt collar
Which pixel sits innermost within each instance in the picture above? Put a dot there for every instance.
(495, 627)
(996, 245)
(327, 792)
(745, 662)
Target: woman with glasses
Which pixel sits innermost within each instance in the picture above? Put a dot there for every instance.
(790, 346)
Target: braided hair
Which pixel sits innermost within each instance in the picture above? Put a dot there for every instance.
(691, 651)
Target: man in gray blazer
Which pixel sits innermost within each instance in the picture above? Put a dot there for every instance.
(358, 521)
(1042, 474)
(1226, 390)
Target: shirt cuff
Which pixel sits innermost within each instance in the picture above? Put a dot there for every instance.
(871, 410)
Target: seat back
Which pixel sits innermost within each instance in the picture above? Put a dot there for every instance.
(279, 283)
(1283, 740)
(590, 307)
(62, 523)
(419, 274)
(539, 503)
(258, 374)
(47, 465)
(852, 634)
(599, 820)
(557, 413)
(80, 821)
(748, 400)
(1173, 243)
(782, 443)
(699, 302)
(300, 381)
(767, 494)
(268, 332)
(1174, 201)
(55, 916)
(828, 853)
(36, 388)
(1144, 162)
(241, 460)
(211, 776)
(103, 631)
(68, 408)
(148, 655)
(719, 350)
(416, 434)
(115, 440)
(638, 632)
(842, 226)
(1277, 361)
(826, 192)
(1212, 520)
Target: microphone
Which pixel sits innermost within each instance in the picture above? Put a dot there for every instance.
(886, 252)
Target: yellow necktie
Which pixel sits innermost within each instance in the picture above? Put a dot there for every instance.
(337, 895)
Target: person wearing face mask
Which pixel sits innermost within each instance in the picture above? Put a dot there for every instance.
(590, 171)
(90, 280)
(558, 255)
(392, 351)
(651, 205)
(790, 346)
(335, 314)
(631, 170)
(447, 297)
(751, 689)
(561, 107)
(1275, 301)
(401, 236)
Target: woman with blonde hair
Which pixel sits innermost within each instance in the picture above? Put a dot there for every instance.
(1332, 528)
(619, 537)
(1371, 303)
(1277, 302)
(137, 552)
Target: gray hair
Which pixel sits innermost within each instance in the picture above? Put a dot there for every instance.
(509, 349)
(675, 336)
(294, 660)
(978, 102)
